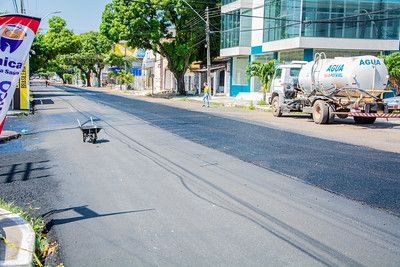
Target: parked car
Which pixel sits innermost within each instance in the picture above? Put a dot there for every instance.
(393, 103)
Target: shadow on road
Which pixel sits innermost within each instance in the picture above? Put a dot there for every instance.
(23, 171)
(84, 212)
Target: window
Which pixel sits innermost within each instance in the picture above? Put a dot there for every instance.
(236, 28)
(239, 76)
(278, 73)
(351, 19)
(294, 72)
(281, 19)
(225, 2)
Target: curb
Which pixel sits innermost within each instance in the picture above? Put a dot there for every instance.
(18, 232)
(8, 136)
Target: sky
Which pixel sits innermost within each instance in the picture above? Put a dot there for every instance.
(81, 15)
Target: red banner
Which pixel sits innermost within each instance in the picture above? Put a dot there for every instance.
(16, 37)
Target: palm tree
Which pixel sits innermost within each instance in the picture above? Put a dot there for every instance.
(263, 71)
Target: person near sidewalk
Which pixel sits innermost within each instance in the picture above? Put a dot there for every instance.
(206, 96)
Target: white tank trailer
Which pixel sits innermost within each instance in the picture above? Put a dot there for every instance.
(366, 72)
(326, 88)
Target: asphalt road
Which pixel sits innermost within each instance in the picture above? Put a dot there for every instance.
(359, 173)
(171, 187)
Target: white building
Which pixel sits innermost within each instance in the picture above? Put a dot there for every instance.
(260, 30)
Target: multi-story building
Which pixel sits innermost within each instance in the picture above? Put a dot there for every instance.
(260, 30)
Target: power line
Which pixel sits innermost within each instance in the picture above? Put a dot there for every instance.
(309, 21)
(15, 5)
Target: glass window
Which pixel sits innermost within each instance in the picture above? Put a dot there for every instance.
(236, 28)
(225, 2)
(239, 76)
(360, 19)
(281, 19)
(278, 73)
(294, 72)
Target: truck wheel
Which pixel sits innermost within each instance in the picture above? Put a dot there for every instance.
(276, 111)
(364, 120)
(320, 112)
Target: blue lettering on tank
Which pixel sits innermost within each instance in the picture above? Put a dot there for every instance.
(368, 62)
(335, 68)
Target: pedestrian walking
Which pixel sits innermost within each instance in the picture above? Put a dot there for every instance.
(206, 96)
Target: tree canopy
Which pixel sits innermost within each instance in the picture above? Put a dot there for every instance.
(58, 40)
(59, 50)
(161, 26)
(392, 62)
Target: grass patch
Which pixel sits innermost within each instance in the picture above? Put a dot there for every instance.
(252, 107)
(41, 244)
(262, 103)
(217, 104)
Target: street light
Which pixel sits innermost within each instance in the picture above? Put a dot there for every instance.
(51, 13)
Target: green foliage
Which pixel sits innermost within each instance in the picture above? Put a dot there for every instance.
(123, 77)
(252, 107)
(67, 78)
(119, 61)
(392, 62)
(263, 71)
(48, 47)
(261, 103)
(161, 26)
(60, 51)
(93, 50)
(57, 24)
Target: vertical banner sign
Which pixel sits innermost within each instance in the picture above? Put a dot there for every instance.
(16, 37)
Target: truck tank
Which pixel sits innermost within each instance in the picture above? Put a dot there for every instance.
(368, 73)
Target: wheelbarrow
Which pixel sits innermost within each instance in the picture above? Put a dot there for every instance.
(89, 131)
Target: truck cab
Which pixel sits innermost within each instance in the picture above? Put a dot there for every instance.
(284, 88)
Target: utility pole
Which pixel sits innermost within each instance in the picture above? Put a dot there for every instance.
(208, 51)
(22, 6)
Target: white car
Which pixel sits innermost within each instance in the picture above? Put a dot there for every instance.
(393, 103)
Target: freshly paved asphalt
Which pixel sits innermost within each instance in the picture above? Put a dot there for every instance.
(359, 173)
(171, 187)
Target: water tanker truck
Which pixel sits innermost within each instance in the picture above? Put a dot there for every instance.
(327, 88)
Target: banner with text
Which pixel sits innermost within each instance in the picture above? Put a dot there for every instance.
(16, 37)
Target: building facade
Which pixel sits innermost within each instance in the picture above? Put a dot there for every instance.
(261, 30)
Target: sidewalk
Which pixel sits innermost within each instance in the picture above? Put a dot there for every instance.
(228, 101)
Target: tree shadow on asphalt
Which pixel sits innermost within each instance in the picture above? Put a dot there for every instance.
(85, 214)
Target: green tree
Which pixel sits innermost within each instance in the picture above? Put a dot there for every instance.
(263, 71)
(392, 62)
(122, 76)
(57, 41)
(84, 62)
(119, 61)
(162, 26)
(98, 46)
(93, 48)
